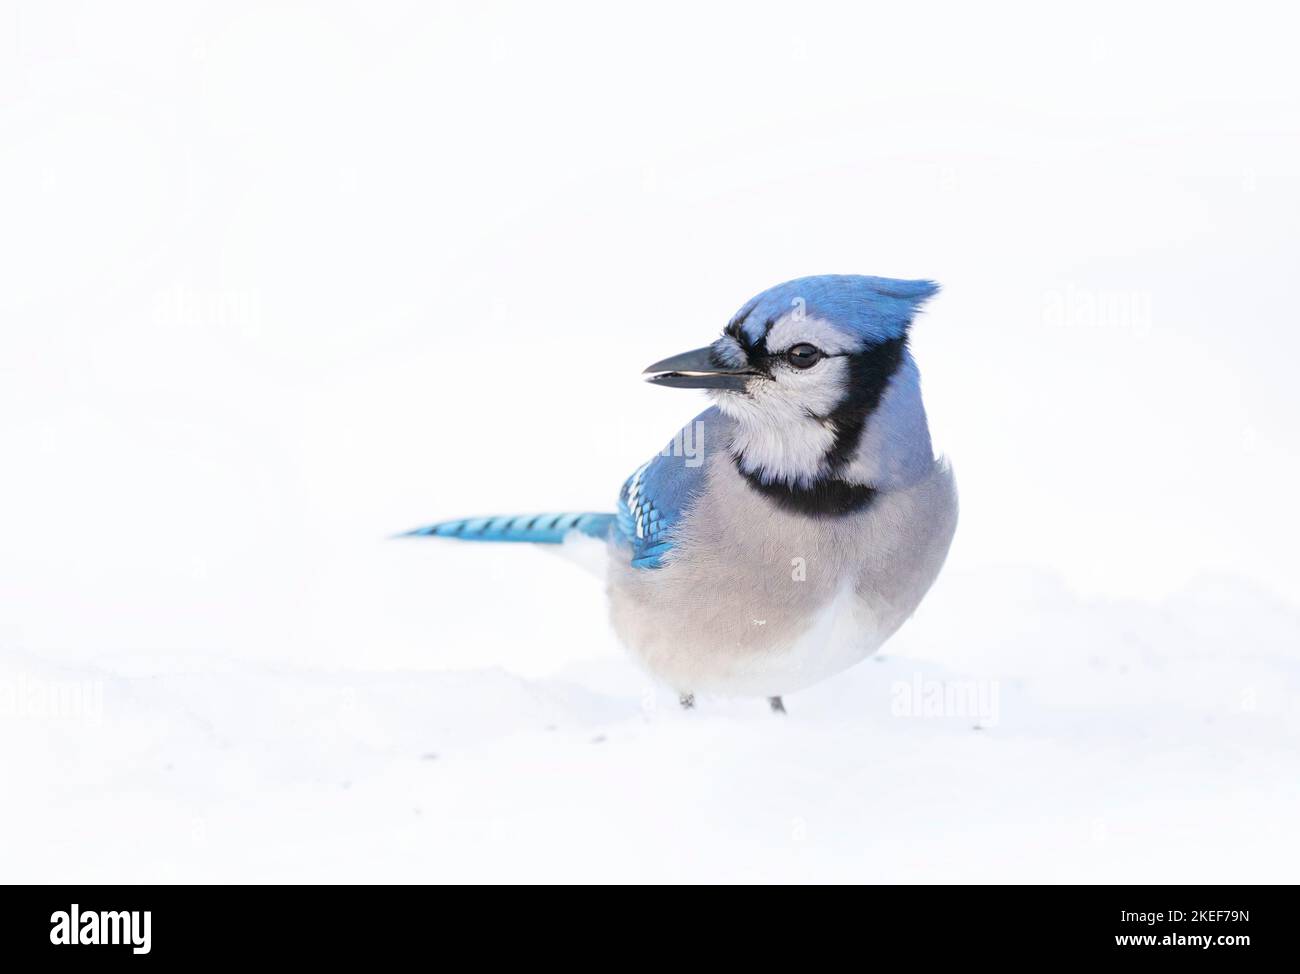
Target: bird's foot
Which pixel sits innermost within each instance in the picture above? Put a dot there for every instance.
(777, 706)
(687, 700)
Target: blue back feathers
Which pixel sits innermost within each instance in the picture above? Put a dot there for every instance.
(875, 309)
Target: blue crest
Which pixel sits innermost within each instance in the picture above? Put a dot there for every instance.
(875, 309)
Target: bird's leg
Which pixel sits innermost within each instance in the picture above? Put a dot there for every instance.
(687, 700)
(777, 706)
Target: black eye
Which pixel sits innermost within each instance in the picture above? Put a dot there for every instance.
(804, 356)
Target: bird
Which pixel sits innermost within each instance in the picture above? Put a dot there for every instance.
(791, 528)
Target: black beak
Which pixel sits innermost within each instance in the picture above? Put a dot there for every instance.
(697, 370)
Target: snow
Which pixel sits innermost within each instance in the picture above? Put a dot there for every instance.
(1111, 741)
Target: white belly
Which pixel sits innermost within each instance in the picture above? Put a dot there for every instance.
(842, 634)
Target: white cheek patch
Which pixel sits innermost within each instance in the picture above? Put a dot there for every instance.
(768, 449)
(817, 390)
(795, 328)
(780, 433)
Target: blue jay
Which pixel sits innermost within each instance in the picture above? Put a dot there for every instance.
(793, 526)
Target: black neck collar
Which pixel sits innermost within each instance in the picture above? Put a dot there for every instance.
(828, 497)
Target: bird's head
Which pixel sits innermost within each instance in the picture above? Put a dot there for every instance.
(817, 376)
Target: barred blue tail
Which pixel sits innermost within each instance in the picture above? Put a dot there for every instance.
(537, 528)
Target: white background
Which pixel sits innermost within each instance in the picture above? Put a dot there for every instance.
(283, 279)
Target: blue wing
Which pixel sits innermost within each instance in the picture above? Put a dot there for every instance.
(658, 493)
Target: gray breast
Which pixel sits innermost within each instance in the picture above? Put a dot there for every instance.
(745, 581)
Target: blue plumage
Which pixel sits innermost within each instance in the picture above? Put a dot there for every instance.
(654, 498)
(876, 309)
(650, 503)
(532, 528)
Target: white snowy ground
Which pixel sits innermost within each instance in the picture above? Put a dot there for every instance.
(1114, 742)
